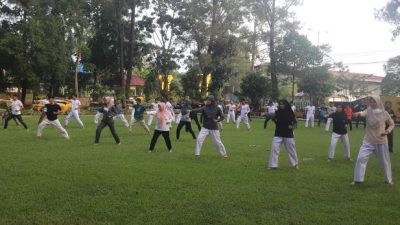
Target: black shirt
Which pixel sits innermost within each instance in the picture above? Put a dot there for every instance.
(51, 109)
(284, 120)
(108, 113)
(339, 122)
(211, 114)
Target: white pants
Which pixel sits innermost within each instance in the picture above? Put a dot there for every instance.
(141, 122)
(328, 124)
(73, 113)
(245, 121)
(381, 151)
(150, 119)
(220, 126)
(344, 138)
(310, 118)
(122, 118)
(178, 118)
(276, 147)
(55, 123)
(231, 115)
(215, 137)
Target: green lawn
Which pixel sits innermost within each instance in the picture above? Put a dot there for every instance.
(55, 181)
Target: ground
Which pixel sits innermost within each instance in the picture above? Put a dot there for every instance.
(55, 181)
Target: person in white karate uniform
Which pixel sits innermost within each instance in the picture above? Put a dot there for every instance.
(74, 111)
(231, 112)
(284, 118)
(52, 110)
(212, 114)
(269, 110)
(310, 111)
(331, 109)
(170, 107)
(339, 132)
(375, 140)
(244, 110)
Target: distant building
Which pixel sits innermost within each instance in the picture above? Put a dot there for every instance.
(136, 85)
(361, 84)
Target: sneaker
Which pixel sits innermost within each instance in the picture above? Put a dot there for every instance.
(27, 130)
(390, 183)
(150, 151)
(330, 160)
(170, 151)
(272, 168)
(296, 167)
(355, 183)
(225, 157)
(349, 159)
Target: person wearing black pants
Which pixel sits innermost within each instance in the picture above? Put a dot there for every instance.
(185, 121)
(164, 118)
(193, 115)
(108, 111)
(16, 107)
(388, 108)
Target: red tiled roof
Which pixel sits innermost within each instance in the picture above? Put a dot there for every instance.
(366, 77)
(137, 81)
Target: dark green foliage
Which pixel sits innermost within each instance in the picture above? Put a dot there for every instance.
(317, 82)
(255, 87)
(391, 82)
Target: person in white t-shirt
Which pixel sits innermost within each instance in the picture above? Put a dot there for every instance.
(170, 107)
(16, 107)
(269, 110)
(310, 111)
(331, 109)
(154, 108)
(74, 112)
(231, 112)
(244, 110)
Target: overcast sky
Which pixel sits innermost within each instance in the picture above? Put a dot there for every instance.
(349, 26)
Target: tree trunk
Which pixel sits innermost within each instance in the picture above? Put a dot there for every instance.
(121, 36)
(272, 56)
(254, 47)
(132, 41)
(78, 58)
(24, 86)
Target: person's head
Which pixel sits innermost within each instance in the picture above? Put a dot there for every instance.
(15, 97)
(388, 105)
(138, 100)
(73, 96)
(373, 103)
(210, 100)
(284, 104)
(161, 106)
(339, 108)
(51, 99)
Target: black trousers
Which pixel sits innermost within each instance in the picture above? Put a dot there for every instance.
(350, 123)
(390, 141)
(18, 117)
(188, 128)
(360, 119)
(196, 120)
(267, 118)
(165, 135)
(101, 126)
(320, 118)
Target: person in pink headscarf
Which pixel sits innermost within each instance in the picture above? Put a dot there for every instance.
(375, 140)
(164, 119)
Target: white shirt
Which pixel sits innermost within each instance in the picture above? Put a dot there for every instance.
(231, 107)
(271, 109)
(244, 109)
(331, 109)
(16, 107)
(310, 110)
(169, 107)
(75, 104)
(293, 108)
(155, 106)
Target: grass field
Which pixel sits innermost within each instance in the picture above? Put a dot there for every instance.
(55, 181)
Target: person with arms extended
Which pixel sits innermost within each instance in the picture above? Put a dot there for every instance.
(212, 114)
(284, 118)
(16, 107)
(185, 120)
(375, 140)
(52, 110)
(137, 116)
(74, 112)
(108, 111)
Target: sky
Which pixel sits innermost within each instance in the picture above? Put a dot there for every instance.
(356, 37)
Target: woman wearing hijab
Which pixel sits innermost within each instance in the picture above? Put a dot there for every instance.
(375, 140)
(164, 119)
(285, 119)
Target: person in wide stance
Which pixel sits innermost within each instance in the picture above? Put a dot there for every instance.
(108, 111)
(164, 119)
(52, 110)
(211, 114)
(339, 132)
(74, 112)
(375, 140)
(285, 119)
(16, 107)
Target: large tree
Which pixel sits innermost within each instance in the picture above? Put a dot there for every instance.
(391, 14)
(317, 82)
(391, 82)
(255, 87)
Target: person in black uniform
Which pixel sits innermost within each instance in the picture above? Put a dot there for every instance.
(285, 120)
(193, 114)
(108, 111)
(388, 108)
(52, 110)
(339, 132)
(185, 120)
